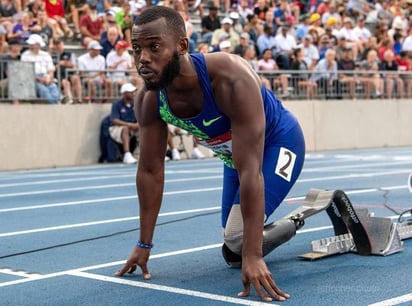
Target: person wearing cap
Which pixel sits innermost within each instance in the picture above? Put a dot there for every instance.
(91, 25)
(66, 60)
(14, 49)
(124, 124)
(316, 24)
(119, 62)
(92, 68)
(44, 69)
(310, 54)
(210, 22)
(220, 100)
(285, 43)
(331, 17)
(237, 26)
(244, 42)
(226, 28)
(361, 32)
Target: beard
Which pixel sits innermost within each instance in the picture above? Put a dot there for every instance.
(170, 71)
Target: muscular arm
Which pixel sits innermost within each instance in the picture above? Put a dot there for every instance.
(238, 96)
(150, 173)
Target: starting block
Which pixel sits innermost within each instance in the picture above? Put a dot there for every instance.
(358, 231)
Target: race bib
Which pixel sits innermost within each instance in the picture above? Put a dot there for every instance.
(219, 144)
(285, 164)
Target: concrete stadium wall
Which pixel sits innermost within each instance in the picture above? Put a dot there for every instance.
(43, 136)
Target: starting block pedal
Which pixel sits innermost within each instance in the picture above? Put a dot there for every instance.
(358, 231)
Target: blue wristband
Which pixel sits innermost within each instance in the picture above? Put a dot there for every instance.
(144, 245)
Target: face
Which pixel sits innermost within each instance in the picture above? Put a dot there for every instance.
(156, 54)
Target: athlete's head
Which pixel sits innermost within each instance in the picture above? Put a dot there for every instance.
(158, 39)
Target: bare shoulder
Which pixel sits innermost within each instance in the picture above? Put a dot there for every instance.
(226, 68)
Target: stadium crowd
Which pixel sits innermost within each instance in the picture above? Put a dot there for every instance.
(309, 49)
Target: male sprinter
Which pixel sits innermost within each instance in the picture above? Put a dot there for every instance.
(219, 99)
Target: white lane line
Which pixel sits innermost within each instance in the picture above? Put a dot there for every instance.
(18, 273)
(168, 193)
(175, 290)
(60, 227)
(106, 186)
(394, 301)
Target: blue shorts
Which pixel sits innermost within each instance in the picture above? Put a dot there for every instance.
(282, 164)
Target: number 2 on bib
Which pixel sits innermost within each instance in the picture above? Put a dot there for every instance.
(285, 163)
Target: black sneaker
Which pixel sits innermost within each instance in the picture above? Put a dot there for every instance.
(232, 259)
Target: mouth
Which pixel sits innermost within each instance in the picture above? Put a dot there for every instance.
(146, 73)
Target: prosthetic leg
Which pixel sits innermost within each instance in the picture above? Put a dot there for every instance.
(274, 234)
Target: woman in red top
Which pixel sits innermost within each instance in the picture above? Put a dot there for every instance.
(55, 12)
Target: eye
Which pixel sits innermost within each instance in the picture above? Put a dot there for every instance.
(155, 47)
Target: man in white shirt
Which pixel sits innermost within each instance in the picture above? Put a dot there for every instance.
(285, 44)
(361, 32)
(92, 67)
(310, 52)
(44, 68)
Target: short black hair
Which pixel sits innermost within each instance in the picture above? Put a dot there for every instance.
(174, 21)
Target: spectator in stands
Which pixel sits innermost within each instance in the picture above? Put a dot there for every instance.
(301, 79)
(210, 23)
(46, 32)
(124, 124)
(331, 15)
(391, 76)
(310, 54)
(362, 33)
(70, 80)
(405, 68)
(255, 27)
(237, 26)
(266, 40)
(372, 44)
(244, 43)
(244, 9)
(346, 68)
(285, 44)
(267, 63)
(250, 56)
(370, 76)
(77, 7)
(7, 11)
(109, 40)
(260, 8)
(383, 46)
(280, 15)
(303, 27)
(316, 24)
(136, 7)
(91, 25)
(119, 62)
(13, 54)
(324, 46)
(326, 76)
(324, 7)
(125, 20)
(55, 11)
(226, 29)
(92, 67)
(108, 22)
(101, 5)
(46, 87)
(23, 29)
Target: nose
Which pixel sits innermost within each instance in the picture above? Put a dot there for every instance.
(144, 57)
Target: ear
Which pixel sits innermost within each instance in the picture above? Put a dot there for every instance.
(183, 45)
